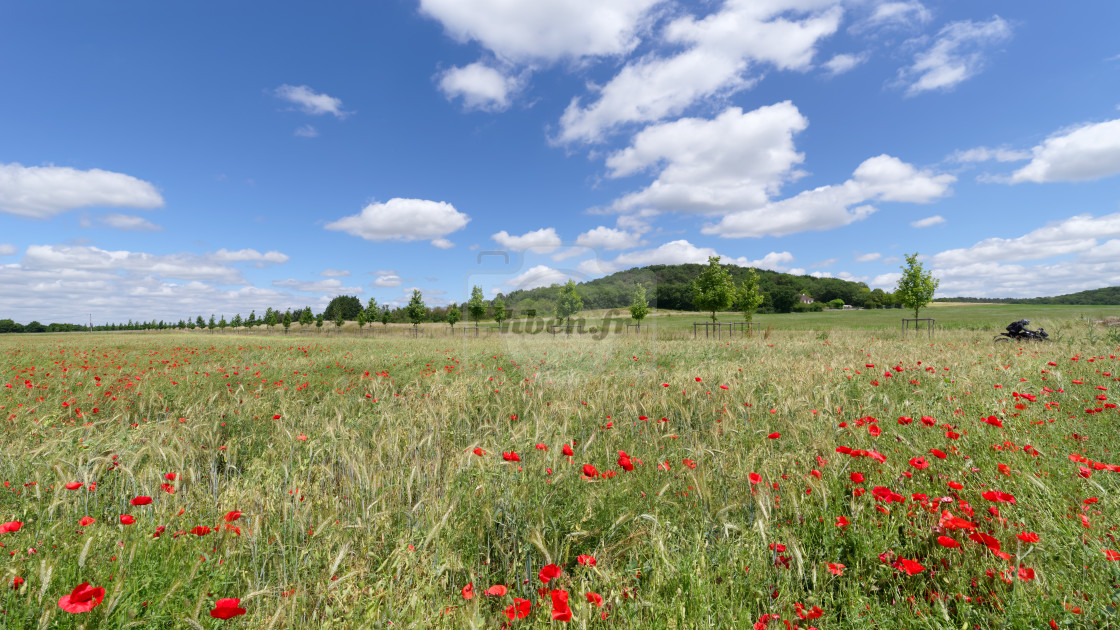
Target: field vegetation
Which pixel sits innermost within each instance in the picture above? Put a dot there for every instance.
(822, 476)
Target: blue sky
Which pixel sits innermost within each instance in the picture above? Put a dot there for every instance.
(160, 161)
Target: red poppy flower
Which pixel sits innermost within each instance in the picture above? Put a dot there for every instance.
(201, 530)
(1027, 537)
(754, 478)
(170, 476)
(17, 582)
(560, 609)
(511, 456)
(945, 541)
(548, 572)
(874, 430)
(919, 462)
(856, 477)
(83, 598)
(911, 567)
(587, 560)
(232, 516)
(590, 471)
(984, 539)
(168, 488)
(10, 526)
(468, 591)
(836, 569)
(227, 608)
(518, 609)
(127, 519)
(568, 450)
(595, 598)
(1001, 497)
(842, 521)
(775, 435)
(87, 520)
(479, 452)
(690, 463)
(141, 500)
(541, 447)
(698, 379)
(937, 453)
(73, 485)
(1110, 554)
(624, 461)
(956, 485)
(498, 590)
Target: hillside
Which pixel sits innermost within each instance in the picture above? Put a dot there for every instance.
(1108, 296)
(669, 286)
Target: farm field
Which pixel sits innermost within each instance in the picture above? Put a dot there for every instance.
(837, 478)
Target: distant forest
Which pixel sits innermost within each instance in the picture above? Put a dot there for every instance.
(1107, 296)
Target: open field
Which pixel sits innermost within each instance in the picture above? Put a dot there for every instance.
(335, 482)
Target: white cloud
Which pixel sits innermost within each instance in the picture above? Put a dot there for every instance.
(928, 221)
(543, 30)
(839, 64)
(1075, 235)
(309, 101)
(607, 238)
(480, 86)
(387, 279)
(209, 267)
(956, 55)
(539, 276)
(7, 249)
(735, 161)
(680, 252)
(334, 273)
(249, 255)
(985, 154)
(39, 192)
(996, 279)
(638, 222)
(825, 263)
(718, 56)
(330, 285)
(543, 241)
(1084, 153)
(442, 243)
(881, 178)
(404, 220)
(306, 131)
(869, 257)
(129, 222)
(897, 14)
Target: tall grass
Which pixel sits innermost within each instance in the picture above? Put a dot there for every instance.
(363, 502)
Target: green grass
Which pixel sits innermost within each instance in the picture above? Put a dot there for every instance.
(383, 513)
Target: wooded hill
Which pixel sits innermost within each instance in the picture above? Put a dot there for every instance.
(1107, 296)
(670, 287)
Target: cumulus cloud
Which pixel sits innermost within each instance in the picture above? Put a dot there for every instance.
(209, 267)
(334, 273)
(330, 285)
(839, 64)
(543, 241)
(539, 276)
(404, 220)
(7, 249)
(39, 192)
(128, 222)
(896, 14)
(681, 252)
(1078, 234)
(480, 86)
(543, 30)
(869, 257)
(957, 54)
(928, 221)
(733, 162)
(249, 255)
(881, 178)
(1084, 153)
(719, 54)
(607, 238)
(387, 279)
(309, 101)
(985, 154)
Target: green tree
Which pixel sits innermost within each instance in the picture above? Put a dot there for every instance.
(749, 295)
(211, 324)
(568, 303)
(499, 306)
(361, 321)
(783, 298)
(345, 305)
(338, 320)
(287, 322)
(373, 313)
(306, 318)
(385, 314)
(475, 306)
(252, 321)
(222, 324)
(416, 309)
(836, 304)
(639, 304)
(916, 286)
(270, 318)
(201, 323)
(453, 316)
(319, 321)
(237, 323)
(713, 290)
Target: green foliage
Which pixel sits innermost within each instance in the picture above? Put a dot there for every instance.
(270, 318)
(252, 320)
(319, 320)
(916, 286)
(837, 303)
(639, 305)
(305, 318)
(236, 323)
(454, 315)
(476, 307)
(568, 303)
(385, 315)
(713, 290)
(749, 296)
(416, 309)
(211, 324)
(10, 326)
(361, 319)
(222, 324)
(499, 307)
(783, 298)
(338, 320)
(373, 312)
(344, 306)
(199, 322)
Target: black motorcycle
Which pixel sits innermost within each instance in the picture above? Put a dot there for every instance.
(1019, 331)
